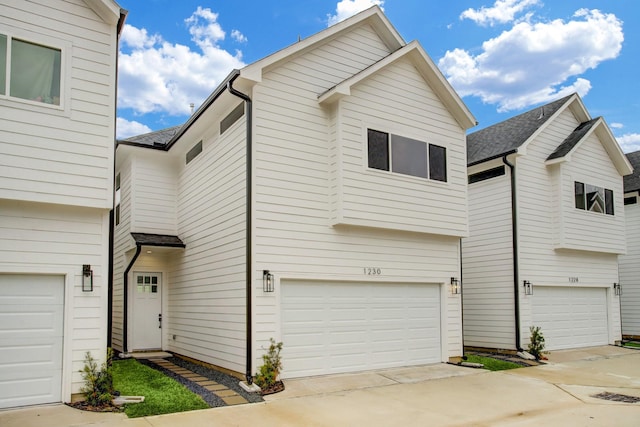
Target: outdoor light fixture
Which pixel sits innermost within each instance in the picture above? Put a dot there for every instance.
(87, 278)
(528, 287)
(617, 289)
(267, 281)
(455, 286)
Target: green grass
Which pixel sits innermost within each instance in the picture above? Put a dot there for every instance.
(162, 395)
(492, 364)
(632, 344)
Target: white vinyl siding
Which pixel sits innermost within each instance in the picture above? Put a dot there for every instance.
(630, 272)
(206, 284)
(299, 171)
(571, 317)
(334, 327)
(31, 338)
(397, 100)
(59, 240)
(487, 270)
(66, 151)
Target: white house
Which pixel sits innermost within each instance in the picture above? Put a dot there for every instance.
(547, 225)
(629, 263)
(57, 135)
(318, 196)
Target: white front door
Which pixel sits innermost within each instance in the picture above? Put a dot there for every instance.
(147, 311)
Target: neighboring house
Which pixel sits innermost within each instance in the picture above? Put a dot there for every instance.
(630, 263)
(547, 225)
(318, 196)
(57, 135)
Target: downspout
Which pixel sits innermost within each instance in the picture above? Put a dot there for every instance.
(249, 243)
(461, 302)
(514, 238)
(125, 299)
(110, 281)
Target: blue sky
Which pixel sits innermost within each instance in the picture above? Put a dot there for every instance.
(502, 56)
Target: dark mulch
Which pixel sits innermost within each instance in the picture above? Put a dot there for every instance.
(277, 387)
(212, 400)
(84, 406)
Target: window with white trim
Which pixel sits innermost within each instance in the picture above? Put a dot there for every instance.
(406, 156)
(593, 198)
(29, 70)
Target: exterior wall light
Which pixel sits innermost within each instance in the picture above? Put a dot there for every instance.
(267, 281)
(87, 278)
(455, 286)
(617, 289)
(528, 287)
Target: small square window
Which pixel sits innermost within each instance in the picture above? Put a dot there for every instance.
(35, 72)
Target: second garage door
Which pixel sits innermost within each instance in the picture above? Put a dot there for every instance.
(571, 317)
(330, 327)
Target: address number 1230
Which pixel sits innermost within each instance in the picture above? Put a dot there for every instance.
(372, 271)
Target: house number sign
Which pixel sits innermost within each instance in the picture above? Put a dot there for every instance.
(372, 271)
(573, 280)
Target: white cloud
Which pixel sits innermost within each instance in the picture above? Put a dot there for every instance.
(616, 125)
(535, 62)
(348, 8)
(502, 11)
(629, 142)
(155, 75)
(126, 128)
(238, 36)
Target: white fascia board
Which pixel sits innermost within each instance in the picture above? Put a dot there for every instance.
(108, 10)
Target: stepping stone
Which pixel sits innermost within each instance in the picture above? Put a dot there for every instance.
(205, 382)
(234, 400)
(192, 375)
(215, 388)
(226, 393)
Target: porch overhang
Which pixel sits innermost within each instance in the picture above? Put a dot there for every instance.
(161, 240)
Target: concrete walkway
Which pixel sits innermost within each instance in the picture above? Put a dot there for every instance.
(558, 394)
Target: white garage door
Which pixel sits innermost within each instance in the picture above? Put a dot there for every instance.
(31, 319)
(346, 327)
(571, 317)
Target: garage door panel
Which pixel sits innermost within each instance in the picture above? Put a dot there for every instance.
(31, 336)
(363, 326)
(571, 317)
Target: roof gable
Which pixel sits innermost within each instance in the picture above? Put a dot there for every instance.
(427, 69)
(573, 142)
(108, 10)
(372, 16)
(508, 136)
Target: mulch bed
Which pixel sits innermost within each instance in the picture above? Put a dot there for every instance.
(84, 406)
(277, 387)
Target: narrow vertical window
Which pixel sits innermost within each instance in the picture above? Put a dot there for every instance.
(437, 163)
(608, 202)
(3, 64)
(579, 195)
(117, 199)
(378, 149)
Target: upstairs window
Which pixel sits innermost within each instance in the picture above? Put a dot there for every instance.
(33, 71)
(593, 198)
(406, 156)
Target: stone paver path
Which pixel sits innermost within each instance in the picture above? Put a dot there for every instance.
(229, 396)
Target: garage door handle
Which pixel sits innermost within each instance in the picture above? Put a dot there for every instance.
(160, 321)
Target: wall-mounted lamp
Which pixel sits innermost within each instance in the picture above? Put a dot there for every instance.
(267, 281)
(528, 287)
(455, 286)
(87, 278)
(617, 289)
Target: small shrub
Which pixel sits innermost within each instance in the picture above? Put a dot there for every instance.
(536, 344)
(98, 384)
(270, 370)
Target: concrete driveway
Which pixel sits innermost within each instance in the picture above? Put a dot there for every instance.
(557, 394)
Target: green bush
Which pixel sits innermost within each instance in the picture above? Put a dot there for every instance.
(98, 384)
(536, 344)
(270, 370)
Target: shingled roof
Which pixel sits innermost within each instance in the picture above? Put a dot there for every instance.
(505, 137)
(573, 139)
(156, 139)
(632, 182)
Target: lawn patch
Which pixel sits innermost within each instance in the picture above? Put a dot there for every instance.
(491, 363)
(632, 344)
(162, 394)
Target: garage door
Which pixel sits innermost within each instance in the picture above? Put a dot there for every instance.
(31, 318)
(346, 327)
(571, 317)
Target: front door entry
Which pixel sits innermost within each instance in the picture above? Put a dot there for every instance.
(147, 311)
